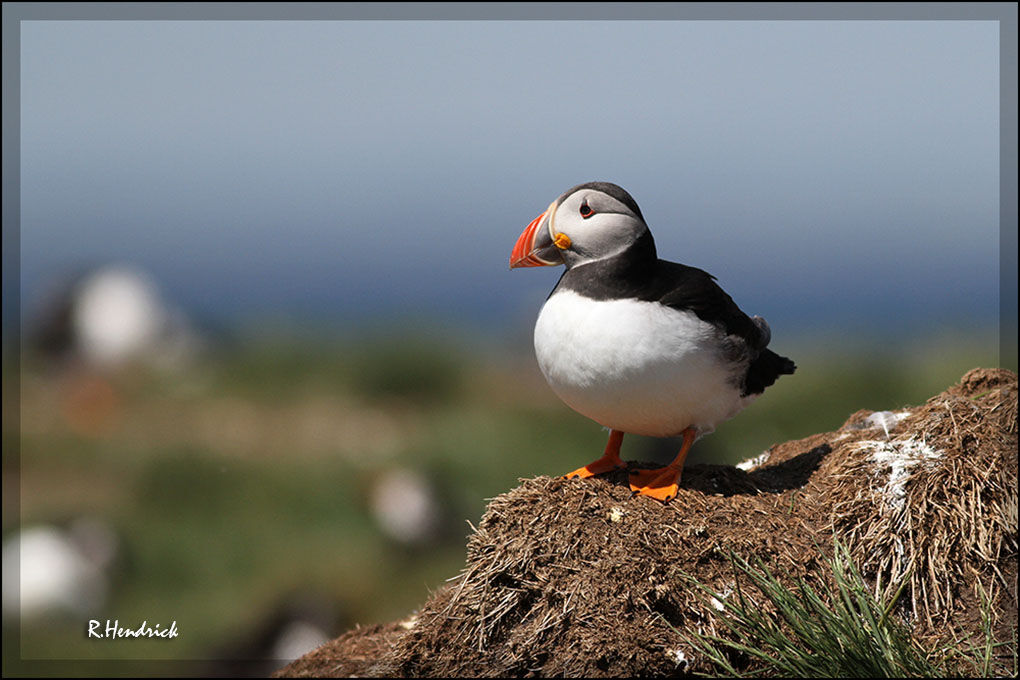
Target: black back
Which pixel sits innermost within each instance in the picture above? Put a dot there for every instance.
(637, 273)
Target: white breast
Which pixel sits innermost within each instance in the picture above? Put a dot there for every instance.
(634, 366)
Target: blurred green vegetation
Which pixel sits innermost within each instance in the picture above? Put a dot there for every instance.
(247, 474)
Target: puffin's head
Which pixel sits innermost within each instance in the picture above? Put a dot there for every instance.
(589, 222)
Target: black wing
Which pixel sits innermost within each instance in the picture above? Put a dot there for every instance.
(695, 290)
(638, 273)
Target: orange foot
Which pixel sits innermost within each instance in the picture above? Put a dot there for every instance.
(660, 483)
(610, 460)
(595, 468)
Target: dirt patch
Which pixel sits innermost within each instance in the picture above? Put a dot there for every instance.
(348, 655)
(580, 578)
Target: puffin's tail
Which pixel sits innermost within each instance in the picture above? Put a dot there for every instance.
(765, 370)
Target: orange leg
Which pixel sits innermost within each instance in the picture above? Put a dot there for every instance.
(661, 483)
(610, 460)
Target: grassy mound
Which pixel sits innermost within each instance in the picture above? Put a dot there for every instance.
(580, 578)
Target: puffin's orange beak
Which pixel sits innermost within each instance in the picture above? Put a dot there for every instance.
(535, 246)
(523, 252)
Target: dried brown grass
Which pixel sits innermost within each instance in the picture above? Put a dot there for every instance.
(579, 578)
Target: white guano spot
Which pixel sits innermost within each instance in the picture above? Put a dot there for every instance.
(754, 463)
(899, 457)
(678, 657)
(887, 420)
(717, 603)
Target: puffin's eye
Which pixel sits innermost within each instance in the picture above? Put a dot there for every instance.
(586, 210)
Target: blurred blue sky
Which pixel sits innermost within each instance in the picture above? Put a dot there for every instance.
(830, 173)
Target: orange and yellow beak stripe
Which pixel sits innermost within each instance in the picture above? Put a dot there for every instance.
(523, 252)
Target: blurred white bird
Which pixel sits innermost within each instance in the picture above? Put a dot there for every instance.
(52, 571)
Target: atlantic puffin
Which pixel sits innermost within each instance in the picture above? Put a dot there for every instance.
(636, 343)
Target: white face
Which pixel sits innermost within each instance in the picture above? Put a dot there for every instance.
(598, 226)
